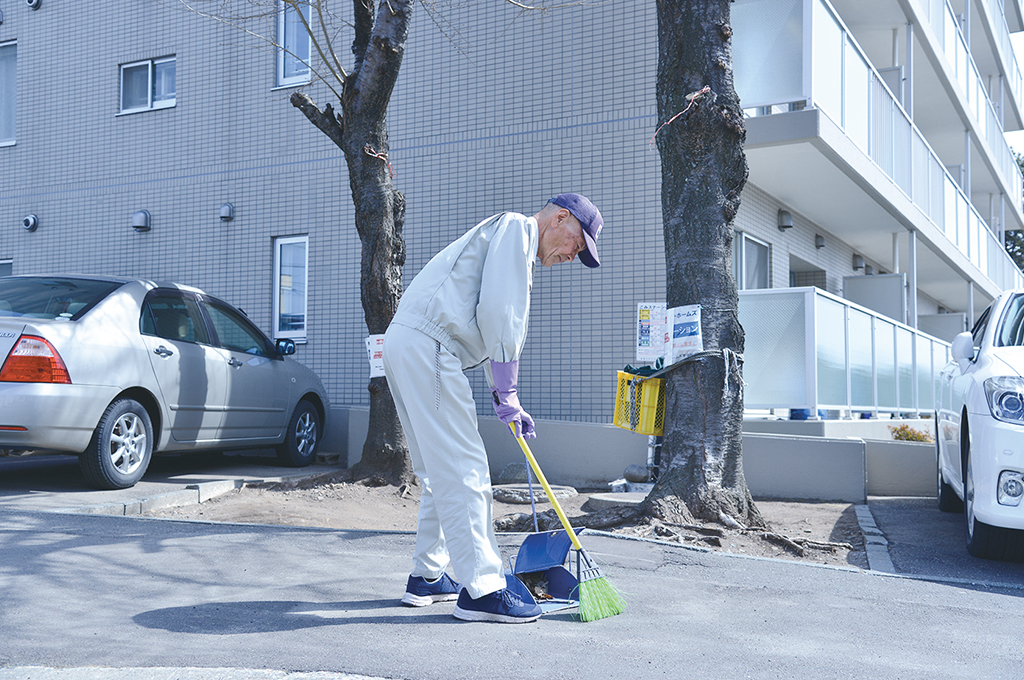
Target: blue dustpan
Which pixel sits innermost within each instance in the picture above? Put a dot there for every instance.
(543, 551)
(542, 559)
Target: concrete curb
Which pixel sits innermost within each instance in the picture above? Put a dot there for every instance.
(875, 543)
(519, 494)
(190, 495)
(602, 501)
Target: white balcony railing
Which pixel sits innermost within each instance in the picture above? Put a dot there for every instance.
(829, 71)
(808, 349)
(946, 26)
(1014, 81)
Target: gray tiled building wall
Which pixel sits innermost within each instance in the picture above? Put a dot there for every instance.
(501, 112)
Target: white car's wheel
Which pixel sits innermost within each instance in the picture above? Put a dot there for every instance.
(121, 447)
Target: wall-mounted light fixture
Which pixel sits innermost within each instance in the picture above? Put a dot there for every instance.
(858, 261)
(227, 212)
(785, 220)
(140, 220)
(34, 4)
(31, 223)
(869, 270)
(819, 241)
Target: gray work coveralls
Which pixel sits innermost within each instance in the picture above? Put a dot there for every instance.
(470, 303)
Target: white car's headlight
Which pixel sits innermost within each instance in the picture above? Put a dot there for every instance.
(1011, 487)
(1006, 398)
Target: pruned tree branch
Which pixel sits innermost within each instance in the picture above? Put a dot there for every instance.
(326, 121)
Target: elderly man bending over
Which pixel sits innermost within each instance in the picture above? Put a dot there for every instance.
(469, 306)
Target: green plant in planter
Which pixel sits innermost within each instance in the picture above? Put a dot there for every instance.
(908, 434)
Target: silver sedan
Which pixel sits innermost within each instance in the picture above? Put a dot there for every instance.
(115, 369)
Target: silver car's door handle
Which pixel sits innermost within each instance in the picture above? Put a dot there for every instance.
(163, 351)
(234, 362)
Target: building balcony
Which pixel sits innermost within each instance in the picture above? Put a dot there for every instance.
(838, 148)
(949, 51)
(947, 68)
(995, 25)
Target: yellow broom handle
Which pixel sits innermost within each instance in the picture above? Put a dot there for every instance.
(547, 489)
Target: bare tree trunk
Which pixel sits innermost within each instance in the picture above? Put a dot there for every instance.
(361, 133)
(703, 172)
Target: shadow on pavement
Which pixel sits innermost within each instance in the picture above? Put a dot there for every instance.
(241, 618)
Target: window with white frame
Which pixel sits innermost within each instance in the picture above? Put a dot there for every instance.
(8, 92)
(291, 276)
(293, 43)
(749, 262)
(147, 85)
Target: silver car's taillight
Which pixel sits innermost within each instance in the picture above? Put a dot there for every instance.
(34, 360)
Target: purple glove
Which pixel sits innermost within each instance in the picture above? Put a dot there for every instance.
(506, 401)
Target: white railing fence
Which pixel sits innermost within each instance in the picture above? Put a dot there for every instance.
(808, 349)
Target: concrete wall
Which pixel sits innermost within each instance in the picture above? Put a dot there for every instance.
(790, 466)
(583, 455)
(775, 465)
(898, 468)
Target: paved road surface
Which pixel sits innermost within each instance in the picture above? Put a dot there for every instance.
(84, 595)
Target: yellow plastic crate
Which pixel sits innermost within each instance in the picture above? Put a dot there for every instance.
(640, 404)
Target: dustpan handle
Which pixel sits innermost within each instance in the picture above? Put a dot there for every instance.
(533, 501)
(547, 489)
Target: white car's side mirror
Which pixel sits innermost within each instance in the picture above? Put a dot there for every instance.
(962, 350)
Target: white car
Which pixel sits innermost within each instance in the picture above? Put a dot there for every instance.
(114, 370)
(980, 430)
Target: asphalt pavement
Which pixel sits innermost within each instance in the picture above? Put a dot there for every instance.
(102, 594)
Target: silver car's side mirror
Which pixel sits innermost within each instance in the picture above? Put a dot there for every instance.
(285, 346)
(962, 350)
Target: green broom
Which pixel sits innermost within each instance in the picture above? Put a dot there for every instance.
(598, 598)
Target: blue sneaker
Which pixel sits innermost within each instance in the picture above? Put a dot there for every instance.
(502, 606)
(419, 592)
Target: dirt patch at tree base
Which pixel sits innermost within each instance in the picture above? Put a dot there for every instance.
(811, 531)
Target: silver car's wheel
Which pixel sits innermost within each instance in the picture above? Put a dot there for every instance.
(302, 438)
(121, 446)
